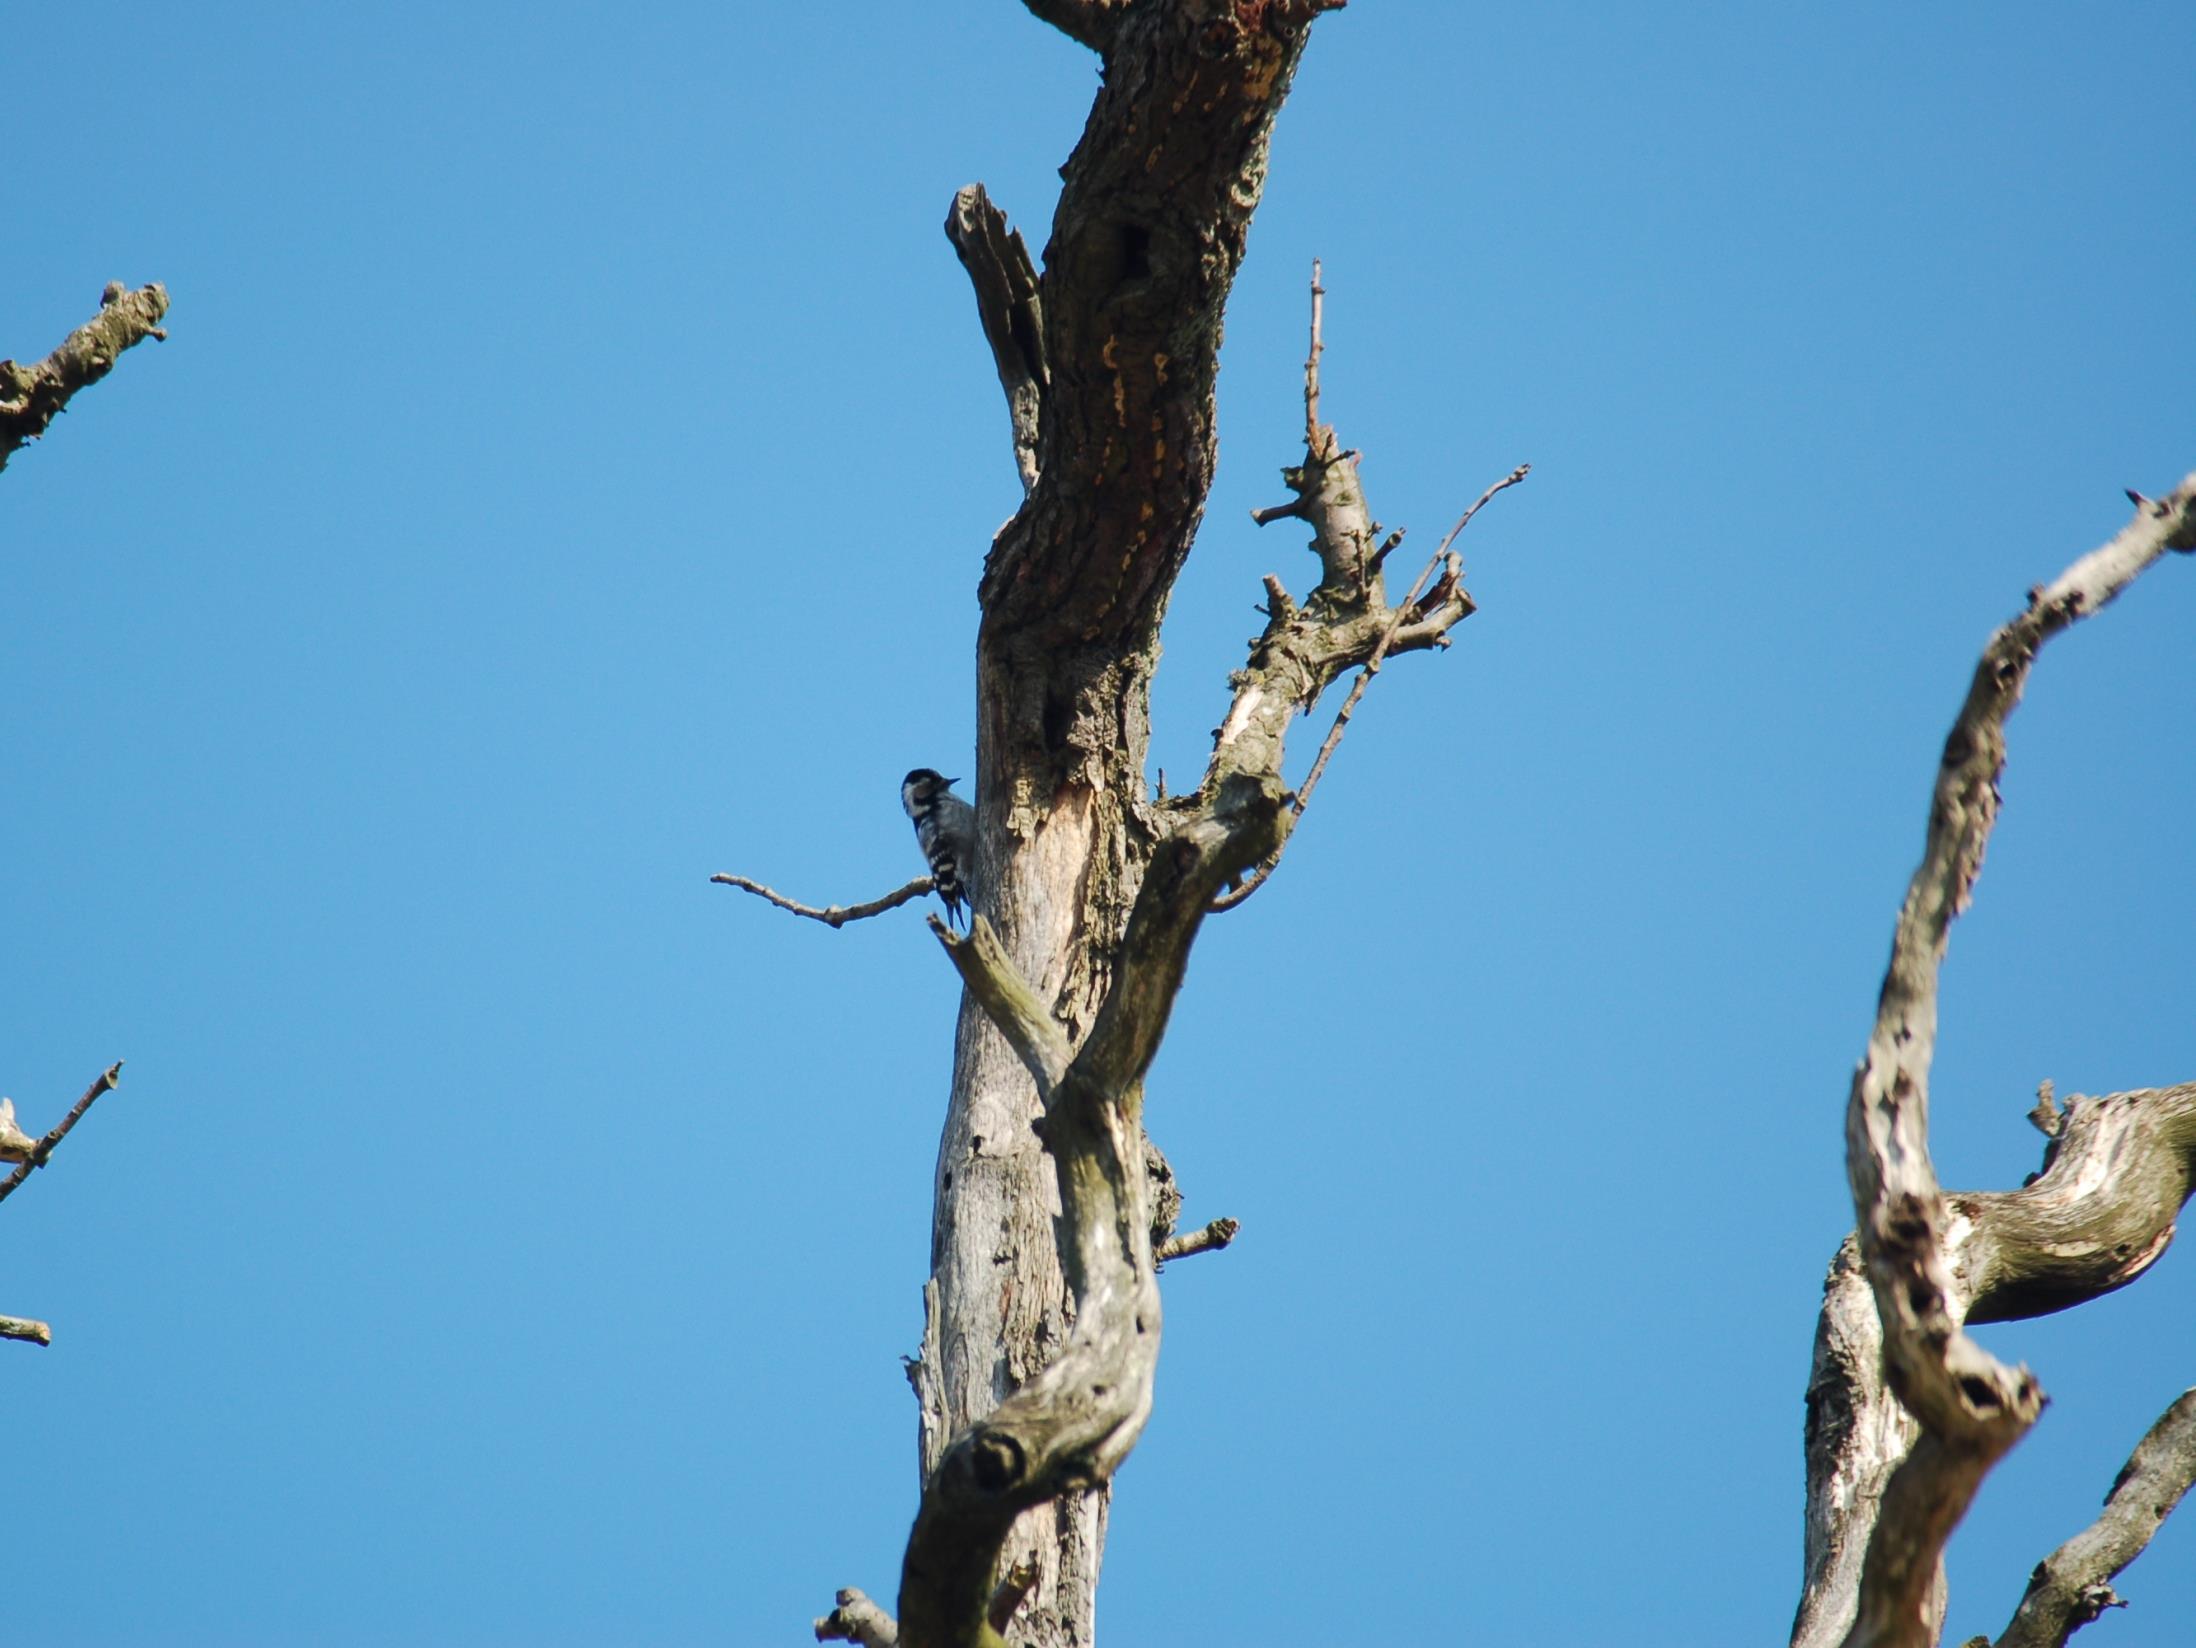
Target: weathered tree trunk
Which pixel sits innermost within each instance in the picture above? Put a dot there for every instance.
(1115, 352)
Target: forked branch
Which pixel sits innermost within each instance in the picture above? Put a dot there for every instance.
(1346, 620)
(1970, 1407)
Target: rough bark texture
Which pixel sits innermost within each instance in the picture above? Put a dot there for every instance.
(2115, 1175)
(31, 397)
(2100, 1214)
(1126, 316)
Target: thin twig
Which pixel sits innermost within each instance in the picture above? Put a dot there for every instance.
(1211, 1239)
(831, 915)
(32, 1333)
(105, 1081)
(1257, 878)
(1311, 367)
(1464, 520)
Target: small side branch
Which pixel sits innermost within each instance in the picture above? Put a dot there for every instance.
(1007, 303)
(995, 982)
(857, 1619)
(831, 915)
(2073, 1585)
(31, 397)
(1211, 1239)
(22, 1328)
(36, 1157)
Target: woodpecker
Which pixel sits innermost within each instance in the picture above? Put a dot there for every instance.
(945, 829)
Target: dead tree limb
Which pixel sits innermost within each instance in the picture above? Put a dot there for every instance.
(831, 915)
(31, 397)
(36, 1156)
(1042, 1310)
(2072, 1587)
(1969, 1408)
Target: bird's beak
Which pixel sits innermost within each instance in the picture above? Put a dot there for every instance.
(951, 782)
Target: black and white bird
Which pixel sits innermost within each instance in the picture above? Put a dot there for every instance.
(945, 829)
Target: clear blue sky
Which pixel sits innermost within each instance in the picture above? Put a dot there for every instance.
(567, 478)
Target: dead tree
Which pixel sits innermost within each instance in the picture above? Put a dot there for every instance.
(1043, 1309)
(1905, 1412)
(31, 397)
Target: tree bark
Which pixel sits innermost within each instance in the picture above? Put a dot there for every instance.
(31, 397)
(1887, 1487)
(1118, 348)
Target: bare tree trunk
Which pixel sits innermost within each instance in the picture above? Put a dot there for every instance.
(1114, 351)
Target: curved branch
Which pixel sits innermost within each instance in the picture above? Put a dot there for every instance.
(1012, 314)
(31, 397)
(1970, 1406)
(1006, 997)
(2101, 1212)
(831, 915)
(2098, 1216)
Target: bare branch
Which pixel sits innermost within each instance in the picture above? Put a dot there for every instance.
(1012, 313)
(857, 1619)
(18, 1327)
(1970, 1406)
(2115, 1177)
(44, 1148)
(2073, 1585)
(832, 915)
(2116, 1173)
(1430, 612)
(1211, 1239)
(992, 978)
(31, 397)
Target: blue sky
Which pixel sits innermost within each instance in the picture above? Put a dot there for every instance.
(567, 477)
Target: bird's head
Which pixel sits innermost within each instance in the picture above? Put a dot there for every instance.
(923, 785)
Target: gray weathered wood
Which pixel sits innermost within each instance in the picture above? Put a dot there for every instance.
(1931, 1261)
